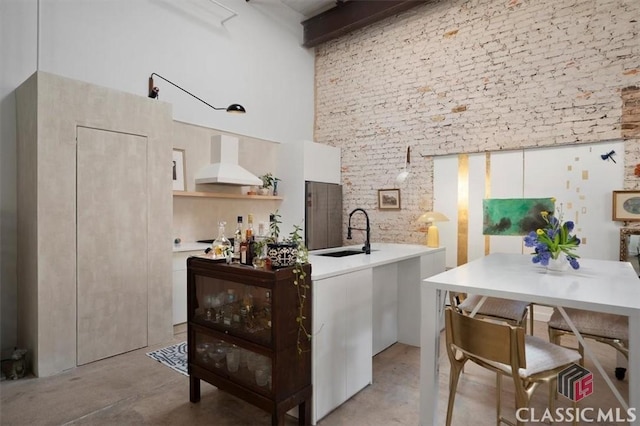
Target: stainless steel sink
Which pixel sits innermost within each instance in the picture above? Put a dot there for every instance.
(342, 253)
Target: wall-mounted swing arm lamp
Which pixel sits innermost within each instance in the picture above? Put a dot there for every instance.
(154, 91)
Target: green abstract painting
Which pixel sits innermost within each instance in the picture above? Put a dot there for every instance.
(514, 216)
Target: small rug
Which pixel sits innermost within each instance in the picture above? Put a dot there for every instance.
(174, 356)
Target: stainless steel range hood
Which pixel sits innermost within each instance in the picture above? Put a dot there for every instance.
(224, 167)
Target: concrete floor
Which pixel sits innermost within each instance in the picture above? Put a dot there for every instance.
(133, 389)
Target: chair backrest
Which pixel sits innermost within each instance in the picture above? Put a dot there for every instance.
(488, 340)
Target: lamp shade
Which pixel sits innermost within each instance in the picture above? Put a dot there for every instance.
(433, 217)
(236, 108)
(403, 175)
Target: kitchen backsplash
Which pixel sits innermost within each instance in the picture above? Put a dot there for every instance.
(196, 218)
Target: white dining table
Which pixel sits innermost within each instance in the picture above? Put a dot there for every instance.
(598, 285)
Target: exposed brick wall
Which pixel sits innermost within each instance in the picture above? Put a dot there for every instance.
(471, 76)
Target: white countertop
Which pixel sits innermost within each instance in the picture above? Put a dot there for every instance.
(381, 254)
(326, 267)
(190, 247)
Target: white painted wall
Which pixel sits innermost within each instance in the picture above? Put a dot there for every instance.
(576, 176)
(255, 59)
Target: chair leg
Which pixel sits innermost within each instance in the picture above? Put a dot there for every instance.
(522, 397)
(531, 319)
(554, 337)
(454, 375)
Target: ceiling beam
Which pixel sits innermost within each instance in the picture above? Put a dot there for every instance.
(348, 16)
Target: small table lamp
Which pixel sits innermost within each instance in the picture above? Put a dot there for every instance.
(433, 238)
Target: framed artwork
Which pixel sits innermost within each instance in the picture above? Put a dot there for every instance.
(179, 181)
(514, 216)
(626, 206)
(389, 199)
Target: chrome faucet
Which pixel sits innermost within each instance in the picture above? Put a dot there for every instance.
(367, 243)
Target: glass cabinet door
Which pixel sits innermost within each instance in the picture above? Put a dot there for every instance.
(241, 365)
(235, 308)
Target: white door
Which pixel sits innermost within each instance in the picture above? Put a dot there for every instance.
(112, 218)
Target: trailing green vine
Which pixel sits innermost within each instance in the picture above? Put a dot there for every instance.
(302, 287)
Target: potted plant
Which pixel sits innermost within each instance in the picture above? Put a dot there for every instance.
(291, 252)
(554, 244)
(281, 253)
(269, 181)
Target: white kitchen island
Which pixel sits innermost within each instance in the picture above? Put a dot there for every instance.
(361, 305)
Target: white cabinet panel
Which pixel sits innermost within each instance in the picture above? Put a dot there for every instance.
(179, 297)
(180, 285)
(342, 359)
(385, 307)
(329, 355)
(359, 335)
(409, 302)
(411, 272)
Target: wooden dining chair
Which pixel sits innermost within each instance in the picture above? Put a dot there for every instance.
(506, 350)
(514, 312)
(610, 329)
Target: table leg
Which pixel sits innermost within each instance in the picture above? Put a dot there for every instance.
(431, 311)
(478, 306)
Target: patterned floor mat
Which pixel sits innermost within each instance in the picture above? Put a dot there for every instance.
(174, 357)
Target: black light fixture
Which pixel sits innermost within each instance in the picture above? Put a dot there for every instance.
(154, 92)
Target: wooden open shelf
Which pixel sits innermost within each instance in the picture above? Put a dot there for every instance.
(224, 195)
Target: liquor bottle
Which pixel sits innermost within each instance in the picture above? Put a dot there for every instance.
(237, 237)
(221, 245)
(249, 232)
(243, 252)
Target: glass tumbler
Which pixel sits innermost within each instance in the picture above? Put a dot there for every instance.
(233, 360)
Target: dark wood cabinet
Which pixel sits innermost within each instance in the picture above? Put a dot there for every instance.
(244, 336)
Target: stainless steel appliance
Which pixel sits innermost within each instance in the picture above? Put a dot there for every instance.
(323, 215)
